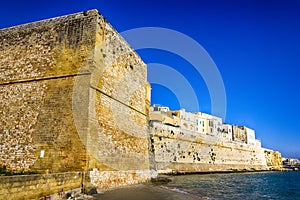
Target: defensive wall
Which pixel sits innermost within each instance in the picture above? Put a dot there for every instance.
(178, 150)
(39, 185)
(75, 100)
(198, 142)
(74, 97)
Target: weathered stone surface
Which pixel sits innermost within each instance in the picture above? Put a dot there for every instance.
(110, 179)
(74, 97)
(273, 159)
(179, 150)
(40, 185)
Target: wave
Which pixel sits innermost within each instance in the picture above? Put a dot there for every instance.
(185, 193)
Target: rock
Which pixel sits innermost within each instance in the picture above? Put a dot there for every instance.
(92, 191)
(160, 180)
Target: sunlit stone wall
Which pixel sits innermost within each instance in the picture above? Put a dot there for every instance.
(73, 97)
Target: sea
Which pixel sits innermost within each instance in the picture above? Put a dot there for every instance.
(240, 186)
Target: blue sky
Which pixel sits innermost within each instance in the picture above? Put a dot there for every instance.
(254, 44)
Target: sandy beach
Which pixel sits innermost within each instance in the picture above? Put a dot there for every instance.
(145, 192)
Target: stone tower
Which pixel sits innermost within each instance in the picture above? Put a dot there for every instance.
(74, 96)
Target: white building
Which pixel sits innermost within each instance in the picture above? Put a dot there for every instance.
(214, 125)
(227, 132)
(250, 136)
(159, 108)
(164, 115)
(201, 123)
(188, 120)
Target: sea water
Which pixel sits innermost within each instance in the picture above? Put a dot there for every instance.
(260, 185)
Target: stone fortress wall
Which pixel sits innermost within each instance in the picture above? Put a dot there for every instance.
(198, 142)
(75, 102)
(73, 97)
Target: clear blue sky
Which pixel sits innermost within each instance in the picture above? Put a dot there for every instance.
(254, 44)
